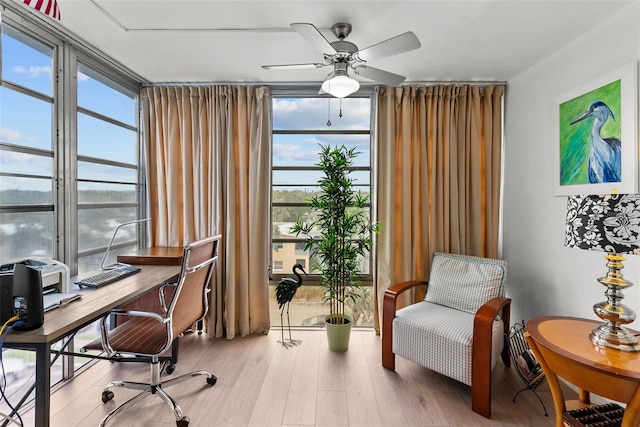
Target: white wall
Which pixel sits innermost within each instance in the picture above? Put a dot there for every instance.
(545, 277)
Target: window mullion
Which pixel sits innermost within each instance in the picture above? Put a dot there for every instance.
(68, 171)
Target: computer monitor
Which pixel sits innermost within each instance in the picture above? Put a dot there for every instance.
(113, 238)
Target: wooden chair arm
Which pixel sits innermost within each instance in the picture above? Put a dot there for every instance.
(388, 314)
(483, 324)
(482, 349)
(492, 308)
(398, 288)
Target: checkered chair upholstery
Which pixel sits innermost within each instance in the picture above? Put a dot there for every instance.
(458, 330)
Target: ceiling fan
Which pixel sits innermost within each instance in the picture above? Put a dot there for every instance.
(342, 55)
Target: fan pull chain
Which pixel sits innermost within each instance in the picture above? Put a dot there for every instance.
(329, 114)
(340, 115)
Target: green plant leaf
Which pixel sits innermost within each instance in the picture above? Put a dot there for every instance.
(339, 229)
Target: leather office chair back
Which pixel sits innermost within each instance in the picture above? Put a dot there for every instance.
(189, 303)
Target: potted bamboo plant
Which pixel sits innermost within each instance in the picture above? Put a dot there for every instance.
(337, 232)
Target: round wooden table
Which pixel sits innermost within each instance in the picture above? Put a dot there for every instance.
(563, 348)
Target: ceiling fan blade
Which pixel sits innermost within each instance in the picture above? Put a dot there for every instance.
(378, 75)
(313, 36)
(398, 44)
(294, 66)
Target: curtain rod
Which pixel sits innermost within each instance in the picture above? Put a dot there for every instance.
(457, 82)
(291, 85)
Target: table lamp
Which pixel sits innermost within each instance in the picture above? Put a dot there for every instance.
(608, 223)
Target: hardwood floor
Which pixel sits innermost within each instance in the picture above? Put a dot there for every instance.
(262, 383)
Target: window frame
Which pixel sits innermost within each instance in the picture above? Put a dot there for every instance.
(133, 89)
(67, 53)
(41, 36)
(314, 278)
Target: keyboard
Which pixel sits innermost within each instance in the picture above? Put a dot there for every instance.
(107, 277)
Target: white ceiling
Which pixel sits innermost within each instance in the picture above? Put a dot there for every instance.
(228, 41)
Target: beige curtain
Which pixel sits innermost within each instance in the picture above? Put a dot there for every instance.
(438, 186)
(208, 162)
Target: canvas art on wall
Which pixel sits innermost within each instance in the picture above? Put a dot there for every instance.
(596, 136)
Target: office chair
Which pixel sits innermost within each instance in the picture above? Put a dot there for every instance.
(146, 334)
(460, 327)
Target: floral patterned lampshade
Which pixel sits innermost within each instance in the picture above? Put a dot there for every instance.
(609, 223)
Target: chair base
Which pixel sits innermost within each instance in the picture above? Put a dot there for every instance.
(155, 387)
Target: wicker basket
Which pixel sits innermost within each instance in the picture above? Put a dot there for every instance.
(524, 363)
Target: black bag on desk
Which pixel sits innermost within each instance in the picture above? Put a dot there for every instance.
(21, 295)
(27, 297)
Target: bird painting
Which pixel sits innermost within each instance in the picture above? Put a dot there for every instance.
(285, 291)
(605, 157)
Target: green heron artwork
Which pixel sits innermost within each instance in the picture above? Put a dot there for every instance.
(590, 145)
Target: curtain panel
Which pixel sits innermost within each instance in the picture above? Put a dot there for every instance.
(439, 176)
(208, 152)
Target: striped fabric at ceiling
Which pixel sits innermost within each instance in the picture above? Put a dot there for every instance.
(48, 7)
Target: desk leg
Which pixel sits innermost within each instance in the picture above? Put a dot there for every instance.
(552, 380)
(631, 416)
(584, 396)
(43, 384)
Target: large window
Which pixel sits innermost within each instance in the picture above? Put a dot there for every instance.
(69, 151)
(28, 100)
(107, 166)
(69, 163)
(300, 126)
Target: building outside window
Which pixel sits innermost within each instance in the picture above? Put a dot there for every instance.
(299, 128)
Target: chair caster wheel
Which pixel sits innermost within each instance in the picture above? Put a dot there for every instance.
(107, 395)
(170, 368)
(212, 380)
(183, 422)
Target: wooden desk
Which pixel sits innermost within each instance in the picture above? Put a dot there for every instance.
(62, 321)
(156, 255)
(563, 348)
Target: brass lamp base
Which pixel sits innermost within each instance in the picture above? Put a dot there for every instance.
(618, 337)
(612, 333)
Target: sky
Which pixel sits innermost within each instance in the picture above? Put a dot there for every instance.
(311, 114)
(28, 121)
(29, 63)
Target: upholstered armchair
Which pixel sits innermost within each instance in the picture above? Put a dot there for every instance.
(460, 327)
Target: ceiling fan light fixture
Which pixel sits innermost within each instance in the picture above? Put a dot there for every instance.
(340, 85)
(342, 54)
